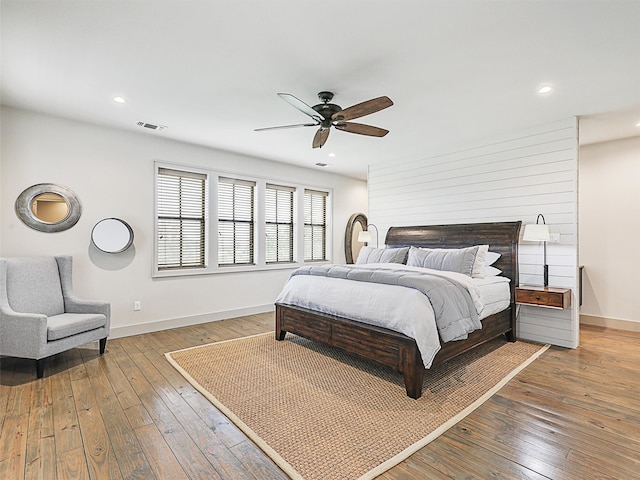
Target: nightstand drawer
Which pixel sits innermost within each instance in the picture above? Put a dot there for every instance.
(544, 296)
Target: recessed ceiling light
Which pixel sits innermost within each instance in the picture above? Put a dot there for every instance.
(119, 100)
(545, 89)
(332, 154)
(638, 124)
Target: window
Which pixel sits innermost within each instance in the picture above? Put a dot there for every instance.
(210, 222)
(235, 221)
(181, 219)
(279, 223)
(315, 225)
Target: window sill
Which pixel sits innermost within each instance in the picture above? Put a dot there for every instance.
(233, 269)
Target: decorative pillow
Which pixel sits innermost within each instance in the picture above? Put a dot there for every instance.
(490, 271)
(382, 255)
(459, 260)
(491, 258)
(479, 263)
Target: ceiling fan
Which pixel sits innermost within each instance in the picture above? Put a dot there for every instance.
(325, 115)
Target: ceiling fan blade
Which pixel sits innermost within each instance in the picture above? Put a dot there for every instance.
(362, 109)
(320, 138)
(286, 126)
(361, 129)
(300, 105)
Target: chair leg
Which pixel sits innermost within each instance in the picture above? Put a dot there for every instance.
(40, 367)
(103, 345)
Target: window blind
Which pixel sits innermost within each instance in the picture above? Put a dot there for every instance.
(181, 209)
(279, 223)
(315, 225)
(236, 221)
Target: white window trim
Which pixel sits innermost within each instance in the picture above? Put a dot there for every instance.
(211, 244)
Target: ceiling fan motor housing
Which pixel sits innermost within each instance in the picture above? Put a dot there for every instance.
(327, 109)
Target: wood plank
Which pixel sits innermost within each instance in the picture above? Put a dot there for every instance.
(125, 447)
(162, 460)
(123, 390)
(41, 459)
(97, 445)
(40, 455)
(68, 439)
(72, 465)
(13, 446)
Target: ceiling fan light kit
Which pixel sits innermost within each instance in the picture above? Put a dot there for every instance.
(326, 115)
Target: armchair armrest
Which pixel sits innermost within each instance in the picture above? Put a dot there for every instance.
(22, 335)
(75, 305)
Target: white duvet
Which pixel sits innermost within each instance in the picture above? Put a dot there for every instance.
(397, 308)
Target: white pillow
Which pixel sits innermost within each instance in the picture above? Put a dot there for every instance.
(491, 258)
(459, 260)
(382, 255)
(490, 271)
(480, 262)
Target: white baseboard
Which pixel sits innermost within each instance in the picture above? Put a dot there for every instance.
(616, 323)
(148, 327)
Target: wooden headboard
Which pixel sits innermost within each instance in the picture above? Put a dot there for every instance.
(502, 237)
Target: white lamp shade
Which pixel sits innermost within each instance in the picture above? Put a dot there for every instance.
(364, 236)
(535, 232)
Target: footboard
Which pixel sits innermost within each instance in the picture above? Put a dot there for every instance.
(380, 345)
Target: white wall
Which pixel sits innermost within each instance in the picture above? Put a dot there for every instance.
(111, 171)
(609, 233)
(514, 177)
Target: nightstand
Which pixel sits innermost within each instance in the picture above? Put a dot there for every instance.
(549, 297)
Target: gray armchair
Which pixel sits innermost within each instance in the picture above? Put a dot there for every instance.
(39, 316)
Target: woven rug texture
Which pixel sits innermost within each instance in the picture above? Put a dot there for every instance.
(322, 414)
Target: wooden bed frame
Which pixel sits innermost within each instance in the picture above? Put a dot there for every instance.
(394, 349)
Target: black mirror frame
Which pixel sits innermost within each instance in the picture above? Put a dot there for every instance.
(124, 247)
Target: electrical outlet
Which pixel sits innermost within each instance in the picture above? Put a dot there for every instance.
(137, 305)
(554, 238)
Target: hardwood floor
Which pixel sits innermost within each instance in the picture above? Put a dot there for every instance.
(572, 414)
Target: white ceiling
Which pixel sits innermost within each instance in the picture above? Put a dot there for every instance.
(457, 70)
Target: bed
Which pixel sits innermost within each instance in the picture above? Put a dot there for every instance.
(397, 350)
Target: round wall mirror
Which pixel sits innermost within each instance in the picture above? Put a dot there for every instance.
(356, 224)
(112, 235)
(48, 207)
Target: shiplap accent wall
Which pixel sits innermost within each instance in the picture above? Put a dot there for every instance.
(515, 177)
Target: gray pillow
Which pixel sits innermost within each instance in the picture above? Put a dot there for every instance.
(459, 260)
(382, 255)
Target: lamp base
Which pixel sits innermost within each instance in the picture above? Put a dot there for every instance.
(546, 275)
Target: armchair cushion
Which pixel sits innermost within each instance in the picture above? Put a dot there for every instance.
(33, 285)
(69, 324)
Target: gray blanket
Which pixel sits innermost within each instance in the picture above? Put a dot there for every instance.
(455, 312)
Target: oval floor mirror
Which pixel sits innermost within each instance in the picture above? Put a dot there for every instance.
(356, 224)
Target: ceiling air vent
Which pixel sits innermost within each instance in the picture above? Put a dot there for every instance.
(151, 126)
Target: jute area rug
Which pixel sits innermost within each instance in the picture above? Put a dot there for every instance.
(322, 414)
